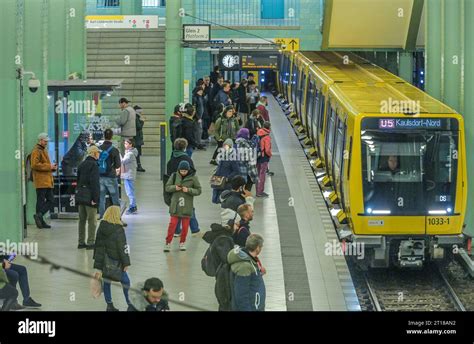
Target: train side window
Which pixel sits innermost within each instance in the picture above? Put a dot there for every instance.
(341, 157)
(330, 131)
(322, 104)
(349, 160)
(309, 100)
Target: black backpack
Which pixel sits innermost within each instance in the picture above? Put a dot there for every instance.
(168, 195)
(210, 262)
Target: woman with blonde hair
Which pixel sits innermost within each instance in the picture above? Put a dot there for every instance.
(111, 249)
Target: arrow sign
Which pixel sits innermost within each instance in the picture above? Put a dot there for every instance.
(292, 43)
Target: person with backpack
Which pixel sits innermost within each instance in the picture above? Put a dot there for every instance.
(129, 174)
(178, 155)
(254, 123)
(126, 122)
(227, 167)
(42, 174)
(184, 188)
(109, 162)
(111, 248)
(175, 123)
(238, 195)
(245, 212)
(249, 292)
(264, 156)
(226, 128)
(223, 96)
(247, 157)
(262, 107)
(87, 197)
(139, 142)
(214, 263)
(216, 88)
(189, 129)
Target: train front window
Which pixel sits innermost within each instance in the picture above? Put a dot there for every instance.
(409, 172)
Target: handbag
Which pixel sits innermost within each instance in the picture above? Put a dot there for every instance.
(83, 195)
(218, 182)
(112, 269)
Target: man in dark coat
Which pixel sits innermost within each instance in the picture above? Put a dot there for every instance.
(220, 239)
(88, 178)
(175, 123)
(139, 141)
(232, 199)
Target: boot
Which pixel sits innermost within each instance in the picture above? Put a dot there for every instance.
(111, 308)
(140, 168)
(38, 220)
(44, 224)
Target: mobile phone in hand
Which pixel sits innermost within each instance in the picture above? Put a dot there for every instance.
(12, 257)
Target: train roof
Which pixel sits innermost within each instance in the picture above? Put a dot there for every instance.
(363, 87)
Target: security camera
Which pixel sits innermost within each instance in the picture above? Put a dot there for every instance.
(33, 84)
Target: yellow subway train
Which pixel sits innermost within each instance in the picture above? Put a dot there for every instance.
(389, 157)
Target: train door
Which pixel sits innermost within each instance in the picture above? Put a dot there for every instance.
(330, 134)
(320, 120)
(310, 109)
(338, 160)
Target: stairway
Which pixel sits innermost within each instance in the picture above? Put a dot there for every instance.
(143, 77)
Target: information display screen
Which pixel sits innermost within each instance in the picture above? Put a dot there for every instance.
(259, 60)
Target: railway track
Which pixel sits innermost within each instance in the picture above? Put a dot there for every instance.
(429, 289)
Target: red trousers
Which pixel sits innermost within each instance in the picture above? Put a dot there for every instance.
(172, 228)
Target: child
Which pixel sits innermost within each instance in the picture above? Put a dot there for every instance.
(185, 187)
(129, 174)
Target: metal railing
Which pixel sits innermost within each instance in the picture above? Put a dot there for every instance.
(249, 12)
(108, 3)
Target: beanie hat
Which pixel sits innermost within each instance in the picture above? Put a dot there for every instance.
(229, 142)
(184, 165)
(244, 133)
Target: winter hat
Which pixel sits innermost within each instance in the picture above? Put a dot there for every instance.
(184, 165)
(243, 133)
(229, 217)
(229, 143)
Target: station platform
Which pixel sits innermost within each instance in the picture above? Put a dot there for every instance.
(293, 221)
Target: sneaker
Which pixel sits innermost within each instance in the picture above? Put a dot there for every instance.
(44, 224)
(213, 162)
(90, 247)
(131, 211)
(271, 174)
(177, 235)
(167, 248)
(81, 246)
(16, 307)
(262, 195)
(111, 308)
(30, 303)
(38, 221)
(182, 247)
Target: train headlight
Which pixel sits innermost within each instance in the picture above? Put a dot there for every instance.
(369, 210)
(449, 210)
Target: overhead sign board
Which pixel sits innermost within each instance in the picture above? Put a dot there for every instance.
(196, 33)
(288, 44)
(259, 60)
(121, 22)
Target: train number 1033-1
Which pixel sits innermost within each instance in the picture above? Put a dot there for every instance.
(438, 221)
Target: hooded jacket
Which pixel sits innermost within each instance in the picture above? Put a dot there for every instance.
(176, 157)
(141, 304)
(88, 175)
(129, 164)
(247, 159)
(175, 127)
(188, 131)
(231, 199)
(226, 128)
(249, 288)
(220, 239)
(263, 110)
(127, 122)
(110, 240)
(265, 145)
(41, 168)
(182, 202)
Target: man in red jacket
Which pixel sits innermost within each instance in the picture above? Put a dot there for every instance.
(264, 157)
(262, 107)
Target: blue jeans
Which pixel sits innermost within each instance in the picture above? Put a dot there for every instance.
(130, 190)
(19, 274)
(194, 224)
(108, 185)
(189, 151)
(125, 285)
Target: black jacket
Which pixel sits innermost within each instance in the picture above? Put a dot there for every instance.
(113, 161)
(189, 131)
(175, 127)
(231, 199)
(240, 236)
(243, 106)
(221, 242)
(88, 175)
(139, 138)
(110, 239)
(253, 124)
(176, 158)
(201, 107)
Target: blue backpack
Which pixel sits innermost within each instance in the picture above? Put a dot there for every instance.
(256, 144)
(104, 155)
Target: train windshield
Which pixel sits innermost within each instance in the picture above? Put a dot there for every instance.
(409, 172)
